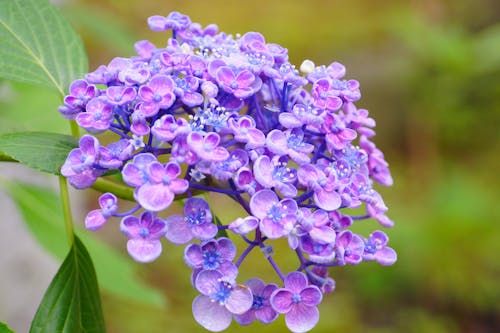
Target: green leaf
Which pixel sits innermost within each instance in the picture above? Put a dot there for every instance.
(42, 151)
(72, 302)
(42, 213)
(221, 232)
(5, 329)
(38, 46)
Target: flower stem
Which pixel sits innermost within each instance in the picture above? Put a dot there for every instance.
(68, 219)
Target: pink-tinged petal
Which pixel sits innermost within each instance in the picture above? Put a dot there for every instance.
(146, 93)
(225, 76)
(276, 142)
(263, 171)
(157, 229)
(255, 138)
(287, 190)
(289, 206)
(246, 318)
(327, 200)
(178, 231)
(149, 109)
(178, 186)
(295, 282)
(218, 154)
(133, 176)
(311, 295)
(245, 78)
(240, 300)
(348, 134)
(192, 99)
(229, 270)
(212, 140)
(207, 282)
(281, 300)
(266, 315)
(386, 256)
(143, 250)
(261, 202)
(161, 84)
(153, 197)
(268, 290)
(302, 318)
(211, 315)
(95, 220)
(333, 103)
(336, 70)
(193, 255)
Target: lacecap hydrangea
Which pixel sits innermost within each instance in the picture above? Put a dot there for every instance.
(215, 112)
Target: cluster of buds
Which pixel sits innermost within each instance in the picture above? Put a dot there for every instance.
(213, 112)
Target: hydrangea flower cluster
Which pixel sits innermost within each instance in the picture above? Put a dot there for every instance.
(213, 112)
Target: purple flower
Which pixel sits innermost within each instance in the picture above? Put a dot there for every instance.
(224, 170)
(186, 89)
(207, 147)
(196, 222)
(219, 300)
(145, 233)
(298, 301)
(325, 195)
(276, 217)
(318, 276)
(261, 307)
(243, 226)
(301, 115)
(376, 249)
(214, 254)
(162, 185)
(317, 225)
(167, 128)
(275, 173)
(324, 95)
(120, 95)
(290, 143)
(98, 116)
(338, 136)
(79, 166)
(97, 218)
(112, 156)
(244, 131)
(80, 93)
(349, 248)
(157, 94)
(318, 252)
(241, 85)
(177, 21)
(348, 90)
(245, 181)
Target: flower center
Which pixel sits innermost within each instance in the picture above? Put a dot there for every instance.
(275, 213)
(223, 291)
(258, 302)
(296, 298)
(211, 260)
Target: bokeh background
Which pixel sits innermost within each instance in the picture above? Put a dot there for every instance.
(430, 76)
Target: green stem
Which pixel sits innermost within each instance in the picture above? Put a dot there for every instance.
(68, 219)
(74, 129)
(121, 191)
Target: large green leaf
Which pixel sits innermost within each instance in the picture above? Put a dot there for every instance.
(38, 150)
(38, 46)
(41, 210)
(5, 329)
(72, 303)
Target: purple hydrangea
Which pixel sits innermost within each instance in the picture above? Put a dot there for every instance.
(211, 114)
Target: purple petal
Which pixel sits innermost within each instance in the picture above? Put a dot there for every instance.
(154, 197)
(289, 120)
(266, 315)
(256, 285)
(271, 229)
(144, 250)
(324, 234)
(327, 200)
(225, 75)
(178, 231)
(311, 295)
(204, 231)
(276, 142)
(281, 300)
(245, 78)
(193, 255)
(302, 318)
(211, 315)
(240, 300)
(246, 318)
(386, 256)
(263, 171)
(295, 282)
(244, 226)
(130, 226)
(226, 248)
(207, 282)
(261, 202)
(157, 23)
(95, 220)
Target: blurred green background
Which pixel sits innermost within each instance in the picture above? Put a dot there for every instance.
(430, 76)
